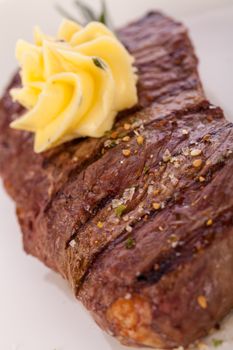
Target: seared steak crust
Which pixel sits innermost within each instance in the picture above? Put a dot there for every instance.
(146, 241)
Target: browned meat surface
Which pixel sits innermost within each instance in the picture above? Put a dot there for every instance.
(146, 240)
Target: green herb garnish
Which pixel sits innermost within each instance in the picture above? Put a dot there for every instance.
(99, 63)
(217, 342)
(108, 133)
(66, 14)
(146, 169)
(112, 144)
(103, 15)
(123, 134)
(120, 210)
(87, 13)
(130, 243)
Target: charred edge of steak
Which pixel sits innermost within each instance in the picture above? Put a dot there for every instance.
(170, 260)
(75, 172)
(98, 207)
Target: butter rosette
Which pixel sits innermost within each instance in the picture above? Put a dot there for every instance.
(73, 85)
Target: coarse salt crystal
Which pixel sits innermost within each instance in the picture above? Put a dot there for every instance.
(128, 194)
(129, 228)
(125, 218)
(195, 152)
(167, 155)
(150, 189)
(128, 296)
(185, 151)
(116, 203)
(72, 243)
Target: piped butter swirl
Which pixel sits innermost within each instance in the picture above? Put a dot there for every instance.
(73, 85)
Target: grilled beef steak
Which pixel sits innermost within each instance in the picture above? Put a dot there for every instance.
(145, 240)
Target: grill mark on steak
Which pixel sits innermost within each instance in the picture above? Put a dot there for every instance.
(173, 198)
(171, 259)
(106, 200)
(170, 118)
(79, 168)
(109, 198)
(119, 267)
(157, 40)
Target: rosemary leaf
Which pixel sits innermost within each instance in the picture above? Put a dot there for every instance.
(103, 15)
(102, 18)
(65, 14)
(87, 12)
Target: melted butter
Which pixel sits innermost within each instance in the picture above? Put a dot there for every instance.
(73, 85)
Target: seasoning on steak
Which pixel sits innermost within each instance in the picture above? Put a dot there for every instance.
(141, 221)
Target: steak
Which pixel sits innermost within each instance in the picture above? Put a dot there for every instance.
(146, 240)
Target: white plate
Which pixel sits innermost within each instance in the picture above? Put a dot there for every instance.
(37, 310)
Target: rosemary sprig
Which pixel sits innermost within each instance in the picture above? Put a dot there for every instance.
(87, 13)
(103, 15)
(65, 13)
